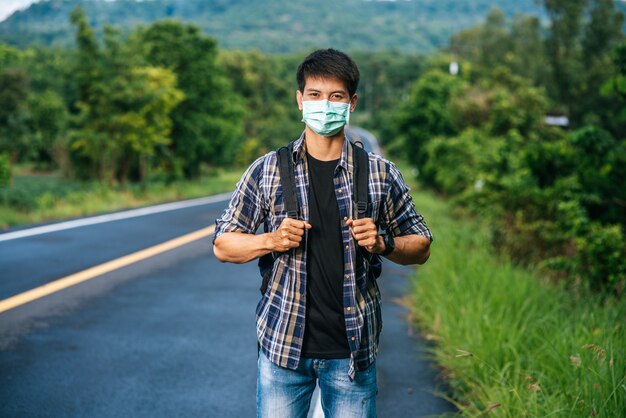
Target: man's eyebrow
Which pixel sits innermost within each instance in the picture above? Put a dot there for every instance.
(312, 89)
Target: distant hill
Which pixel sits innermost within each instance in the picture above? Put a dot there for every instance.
(274, 26)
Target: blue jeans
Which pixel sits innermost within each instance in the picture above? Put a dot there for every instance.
(286, 393)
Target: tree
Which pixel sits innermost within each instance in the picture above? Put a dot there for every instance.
(207, 125)
(124, 106)
(582, 34)
(426, 114)
(613, 91)
(486, 45)
(272, 117)
(14, 89)
(48, 126)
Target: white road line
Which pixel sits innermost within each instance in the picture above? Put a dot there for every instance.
(133, 213)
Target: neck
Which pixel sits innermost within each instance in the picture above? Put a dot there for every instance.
(324, 148)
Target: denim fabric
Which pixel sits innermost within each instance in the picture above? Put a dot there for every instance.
(286, 393)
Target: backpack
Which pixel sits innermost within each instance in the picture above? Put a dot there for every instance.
(359, 195)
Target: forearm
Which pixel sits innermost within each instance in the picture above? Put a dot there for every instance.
(410, 249)
(238, 247)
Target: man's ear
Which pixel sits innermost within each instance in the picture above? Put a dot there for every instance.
(353, 102)
(299, 99)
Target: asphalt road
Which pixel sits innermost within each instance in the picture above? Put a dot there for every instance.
(172, 335)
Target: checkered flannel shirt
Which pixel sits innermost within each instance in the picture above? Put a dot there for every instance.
(280, 314)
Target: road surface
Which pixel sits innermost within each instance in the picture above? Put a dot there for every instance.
(171, 335)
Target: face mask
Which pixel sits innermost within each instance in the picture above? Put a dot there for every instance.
(324, 117)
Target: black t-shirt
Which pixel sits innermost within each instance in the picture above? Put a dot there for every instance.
(325, 329)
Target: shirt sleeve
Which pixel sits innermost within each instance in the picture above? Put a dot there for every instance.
(245, 210)
(401, 216)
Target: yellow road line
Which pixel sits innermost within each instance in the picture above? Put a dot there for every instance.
(101, 269)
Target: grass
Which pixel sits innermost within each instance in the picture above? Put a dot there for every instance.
(35, 197)
(509, 343)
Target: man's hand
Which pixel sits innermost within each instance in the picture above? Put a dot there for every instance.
(288, 235)
(365, 232)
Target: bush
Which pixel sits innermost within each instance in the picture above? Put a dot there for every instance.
(601, 257)
(5, 170)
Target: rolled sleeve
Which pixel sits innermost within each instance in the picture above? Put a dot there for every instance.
(245, 210)
(402, 217)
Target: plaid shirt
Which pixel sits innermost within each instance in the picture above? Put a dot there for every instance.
(280, 313)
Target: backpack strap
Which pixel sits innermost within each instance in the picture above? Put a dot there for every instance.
(287, 179)
(284, 157)
(361, 176)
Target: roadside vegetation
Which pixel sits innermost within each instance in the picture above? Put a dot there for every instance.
(38, 197)
(524, 294)
(510, 341)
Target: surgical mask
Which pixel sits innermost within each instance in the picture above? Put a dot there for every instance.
(324, 117)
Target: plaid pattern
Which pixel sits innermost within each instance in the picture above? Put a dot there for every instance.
(280, 313)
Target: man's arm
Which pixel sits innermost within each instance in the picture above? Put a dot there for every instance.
(409, 249)
(239, 247)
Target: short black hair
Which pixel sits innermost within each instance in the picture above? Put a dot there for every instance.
(329, 63)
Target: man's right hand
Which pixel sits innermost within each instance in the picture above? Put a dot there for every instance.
(288, 235)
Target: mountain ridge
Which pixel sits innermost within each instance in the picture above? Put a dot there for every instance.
(279, 26)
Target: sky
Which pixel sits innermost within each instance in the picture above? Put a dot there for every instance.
(9, 6)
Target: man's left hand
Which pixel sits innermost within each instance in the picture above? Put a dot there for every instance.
(365, 232)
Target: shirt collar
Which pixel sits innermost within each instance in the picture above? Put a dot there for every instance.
(345, 161)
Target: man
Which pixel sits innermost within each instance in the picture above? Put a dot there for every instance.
(319, 319)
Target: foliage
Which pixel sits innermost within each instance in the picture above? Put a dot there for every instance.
(555, 198)
(5, 170)
(510, 343)
(14, 89)
(571, 61)
(48, 124)
(207, 124)
(426, 113)
(37, 197)
(271, 116)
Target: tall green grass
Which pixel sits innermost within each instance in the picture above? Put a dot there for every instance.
(36, 198)
(509, 343)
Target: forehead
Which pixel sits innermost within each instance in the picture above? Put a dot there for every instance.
(327, 84)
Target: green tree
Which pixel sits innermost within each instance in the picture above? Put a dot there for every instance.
(527, 57)
(426, 114)
(5, 170)
(207, 125)
(386, 77)
(582, 34)
(14, 90)
(48, 126)
(88, 67)
(485, 45)
(271, 115)
(563, 47)
(124, 106)
(613, 92)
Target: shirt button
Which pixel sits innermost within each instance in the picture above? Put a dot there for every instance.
(347, 247)
(353, 338)
(345, 218)
(349, 308)
(340, 190)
